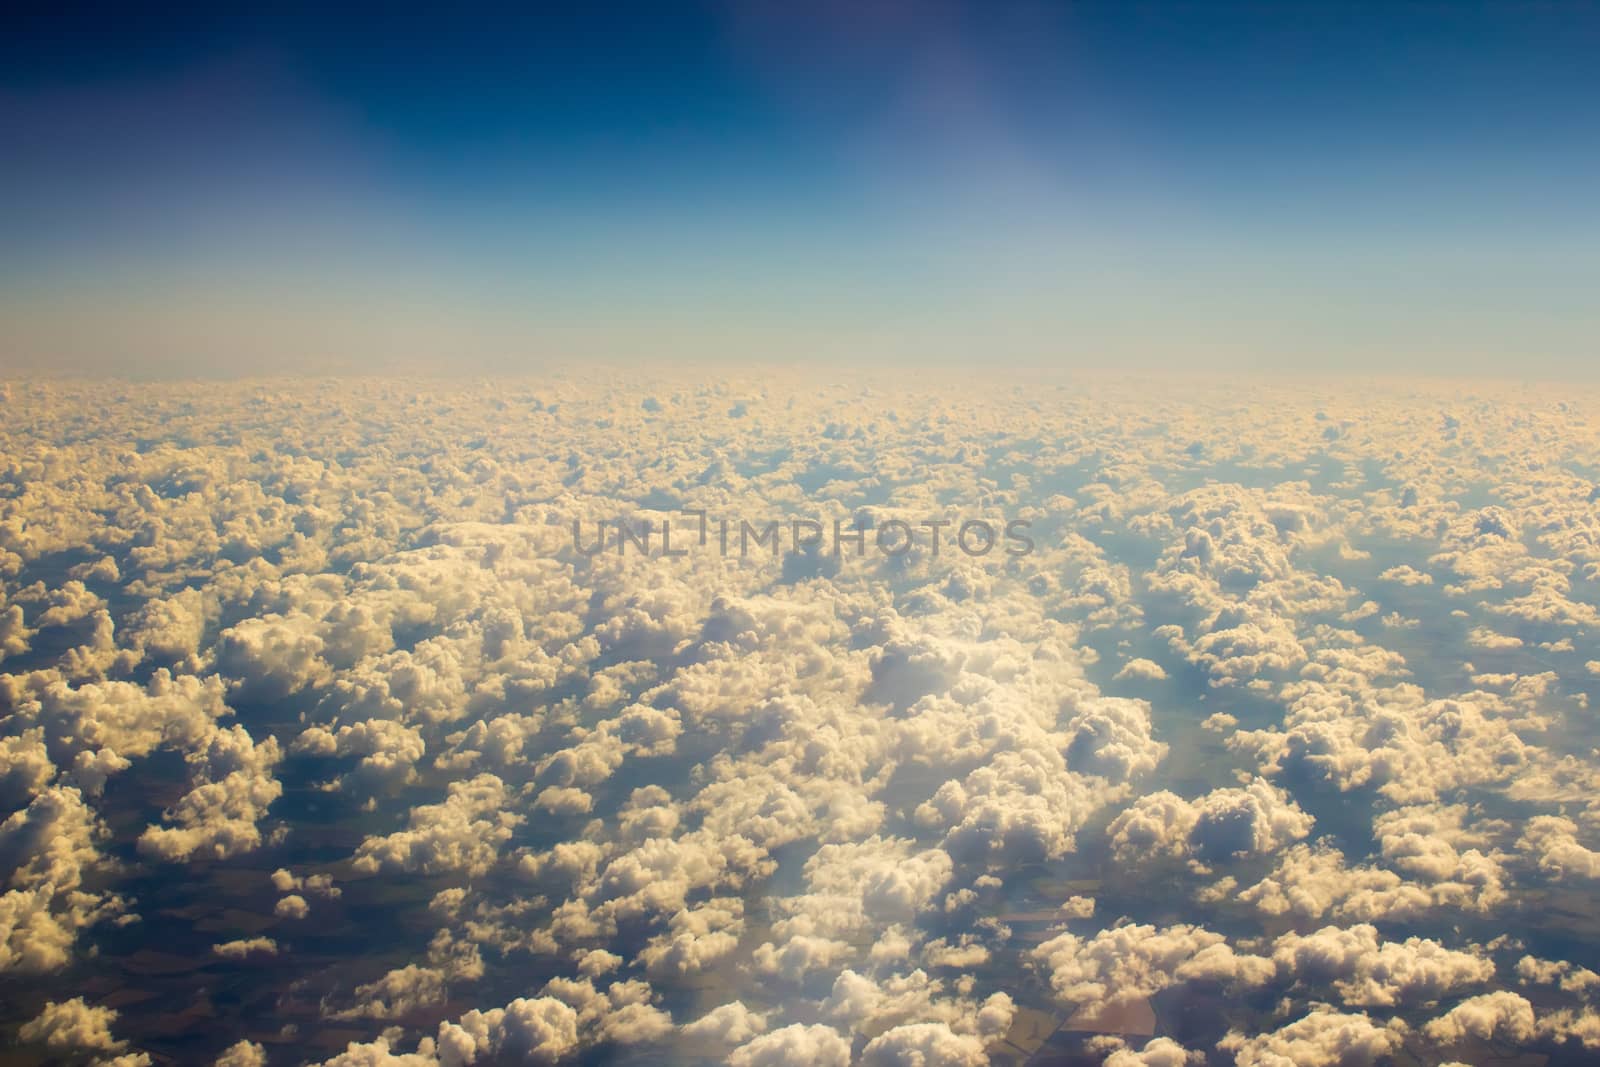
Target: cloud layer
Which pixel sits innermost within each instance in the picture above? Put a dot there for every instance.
(310, 695)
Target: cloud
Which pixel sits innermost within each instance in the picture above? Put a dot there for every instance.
(220, 815)
(791, 1046)
(1324, 1038)
(1157, 1052)
(697, 938)
(1551, 841)
(1501, 1015)
(851, 792)
(1570, 977)
(71, 1026)
(272, 657)
(1223, 825)
(284, 880)
(389, 751)
(1369, 972)
(293, 906)
(537, 1030)
(463, 833)
(245, 947)
(1310, 882)
(931, 1044)
(1407, 575)
(730, 1024)
(242, 1053)
(1142, 669)
(50, 848)
(1133, 961)
(126, 718)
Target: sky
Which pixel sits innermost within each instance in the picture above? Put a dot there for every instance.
(1165, 186)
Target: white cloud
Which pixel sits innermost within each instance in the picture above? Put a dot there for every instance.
(463, 833)
(243, 1053)
(220, 815)
(1324, 1038)
(730, 1024)
(924, 1044)
(71, 1026)
(1222, 825)
(592, 768)
(1142, 669)
(1134, 961)
(245, 947)
(1500, 1015)
(793, 1046)
(1157, 1052)
(1369, 972)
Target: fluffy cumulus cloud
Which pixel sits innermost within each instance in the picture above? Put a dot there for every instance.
(1324, 1038)
(537, 1030)
(731, 1024)
(50, 849)
(243, 1053)
(793, 1044)
(1157, 1052)
(389, 750)
(461, 833)
(1367, 971)
(931, 1044)
(1551, 843)
(1224, 824)
(246, 946)
(72, 1026)
(1134, 961)
(220, 816)
(355, 698)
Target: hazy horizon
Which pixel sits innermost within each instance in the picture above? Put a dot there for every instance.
(1232, 186)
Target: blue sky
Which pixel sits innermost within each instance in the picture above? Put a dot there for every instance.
(1201, 186)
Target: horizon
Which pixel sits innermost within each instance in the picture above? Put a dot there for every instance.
(1234, 186)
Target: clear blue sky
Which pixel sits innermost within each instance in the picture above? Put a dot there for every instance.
(1297, 186)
